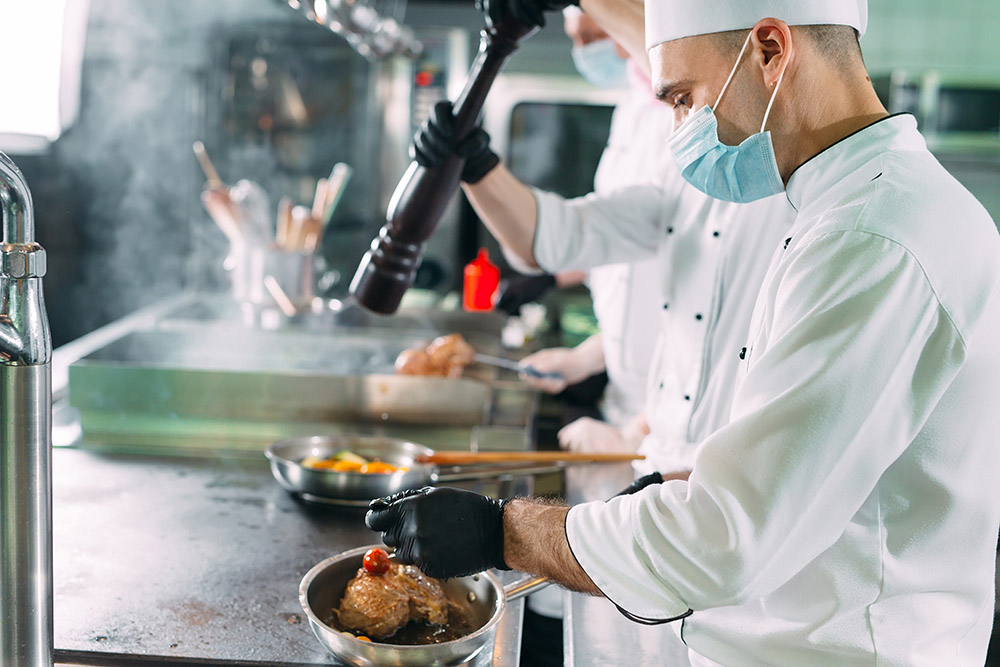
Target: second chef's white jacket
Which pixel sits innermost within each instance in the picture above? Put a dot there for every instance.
(626, 295)
(848, 513)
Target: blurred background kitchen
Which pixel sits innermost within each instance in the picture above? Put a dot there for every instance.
(103, 101)
(104, 133)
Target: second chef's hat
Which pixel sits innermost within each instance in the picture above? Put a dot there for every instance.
(667, 20)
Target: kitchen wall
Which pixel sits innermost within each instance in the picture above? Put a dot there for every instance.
(958, 37)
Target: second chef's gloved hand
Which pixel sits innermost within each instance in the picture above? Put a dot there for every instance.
(529, 13)
(445, 532)
(519, 290)
(436, 140)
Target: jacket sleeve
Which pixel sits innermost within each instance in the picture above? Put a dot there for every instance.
(595, 230)
(856, 353)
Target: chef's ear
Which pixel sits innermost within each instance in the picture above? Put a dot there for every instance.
(771, 49)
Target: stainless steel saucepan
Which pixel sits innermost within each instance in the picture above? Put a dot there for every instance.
(352, 488)
(483, 595)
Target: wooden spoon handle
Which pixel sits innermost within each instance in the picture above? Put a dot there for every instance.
(459, 458)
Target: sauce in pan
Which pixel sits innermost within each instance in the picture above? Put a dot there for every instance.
(413, 633)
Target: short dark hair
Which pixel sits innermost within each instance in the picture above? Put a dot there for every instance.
(837, 42)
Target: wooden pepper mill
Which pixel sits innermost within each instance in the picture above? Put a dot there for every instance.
(387, 270)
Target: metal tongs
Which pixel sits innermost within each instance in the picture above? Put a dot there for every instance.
(517, 367)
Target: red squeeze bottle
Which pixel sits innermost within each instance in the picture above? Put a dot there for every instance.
(482, 278)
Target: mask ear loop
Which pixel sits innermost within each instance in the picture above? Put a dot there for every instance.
(767, 112)
(732, 72)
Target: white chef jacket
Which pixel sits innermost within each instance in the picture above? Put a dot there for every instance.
(711, 257)
(626, 295)
(848, 514)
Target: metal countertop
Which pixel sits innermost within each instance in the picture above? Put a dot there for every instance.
(181, 561)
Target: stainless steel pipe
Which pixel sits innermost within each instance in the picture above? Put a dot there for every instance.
(26, 635)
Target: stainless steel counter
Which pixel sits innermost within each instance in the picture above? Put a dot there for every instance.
(595, 633)
(182, 561)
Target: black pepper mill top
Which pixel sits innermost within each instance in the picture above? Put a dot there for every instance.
(387, 270)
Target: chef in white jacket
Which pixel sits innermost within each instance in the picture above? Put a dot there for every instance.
(847, 514)
(626, 295)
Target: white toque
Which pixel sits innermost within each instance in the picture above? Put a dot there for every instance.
(668, 20)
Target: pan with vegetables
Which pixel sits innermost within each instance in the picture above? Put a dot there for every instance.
(354, 469)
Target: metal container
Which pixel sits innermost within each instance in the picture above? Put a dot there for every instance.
(294, 272)
(323, 587)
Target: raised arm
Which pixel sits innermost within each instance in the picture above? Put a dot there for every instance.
(624, 21)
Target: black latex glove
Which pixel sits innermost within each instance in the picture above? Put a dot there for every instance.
(445, 532)
(436, 139)
(641, 483)
(529, 13)
(519, 290)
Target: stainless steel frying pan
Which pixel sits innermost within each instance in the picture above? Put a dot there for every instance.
(353, 488)
(323, 587)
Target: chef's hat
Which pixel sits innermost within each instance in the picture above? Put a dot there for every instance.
(667, 20)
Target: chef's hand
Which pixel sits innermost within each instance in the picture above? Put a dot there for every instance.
(445, 532)
(560, 360)
(436, 140)
(519, 290)
(530, 13)
(592, 435)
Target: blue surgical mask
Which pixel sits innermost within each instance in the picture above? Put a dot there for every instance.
(599, 63)
(741, 174)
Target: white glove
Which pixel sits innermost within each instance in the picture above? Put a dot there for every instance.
(591, 435)
(559, 360)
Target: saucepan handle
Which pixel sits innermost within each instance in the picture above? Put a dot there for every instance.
(518, 589)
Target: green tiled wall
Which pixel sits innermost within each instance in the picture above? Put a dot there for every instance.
(958, 38)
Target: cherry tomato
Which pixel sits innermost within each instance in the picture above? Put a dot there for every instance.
(376, 561)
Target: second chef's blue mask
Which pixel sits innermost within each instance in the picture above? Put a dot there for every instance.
(599, 63)
(741, 174)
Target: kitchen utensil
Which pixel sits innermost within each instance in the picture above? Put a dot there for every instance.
(467, 458)
(387, 270)
(221, 210)
(482, 594)
(292, 272)
(358, 489)
(284, 222)
(206, 165)
(517, 367)
(319, 198)
(336, 183)
(284, 303)
(255, 210)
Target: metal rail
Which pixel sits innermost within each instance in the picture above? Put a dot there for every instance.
(26, 635)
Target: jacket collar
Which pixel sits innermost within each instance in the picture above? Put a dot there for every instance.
(820, 174)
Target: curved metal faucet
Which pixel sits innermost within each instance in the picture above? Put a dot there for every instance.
(26, 636)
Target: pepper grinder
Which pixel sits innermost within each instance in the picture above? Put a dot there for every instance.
(387, 270)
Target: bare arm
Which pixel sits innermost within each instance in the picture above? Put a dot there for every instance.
(624, 20)
(508, 209)
(535, 542)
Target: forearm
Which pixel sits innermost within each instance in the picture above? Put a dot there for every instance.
(590, 356)
(508, 209)
(624, 21)
(535, 542)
